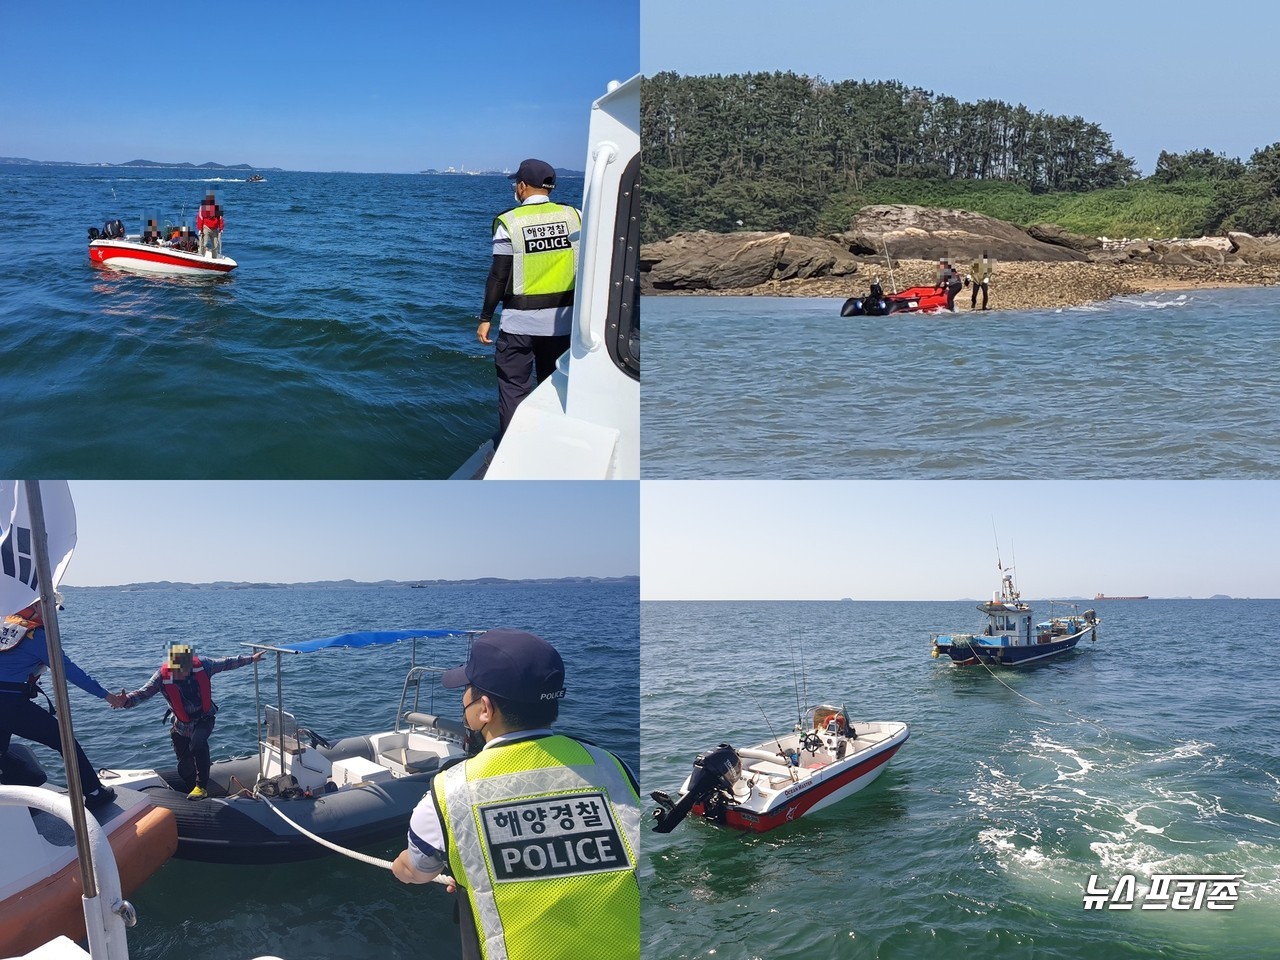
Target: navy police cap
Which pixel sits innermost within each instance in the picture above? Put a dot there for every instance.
(511, 664)
(536, 173)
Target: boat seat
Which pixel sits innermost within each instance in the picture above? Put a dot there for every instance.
(413, 761)
(768, 768)
(442, 726)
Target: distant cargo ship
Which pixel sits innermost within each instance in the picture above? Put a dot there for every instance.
(1101, 597)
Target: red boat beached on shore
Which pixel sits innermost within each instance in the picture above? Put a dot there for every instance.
(911, 300)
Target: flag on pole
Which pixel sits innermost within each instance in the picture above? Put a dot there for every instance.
(19, 585)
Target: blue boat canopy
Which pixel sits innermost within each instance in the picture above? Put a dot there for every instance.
(371, 638)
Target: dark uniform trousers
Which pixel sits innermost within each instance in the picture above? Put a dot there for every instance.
(523, 361)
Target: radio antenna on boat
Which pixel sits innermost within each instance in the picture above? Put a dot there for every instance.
(999, 565)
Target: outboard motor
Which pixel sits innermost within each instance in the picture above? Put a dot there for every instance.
(113, 230)
(93, 233)
(714, 771)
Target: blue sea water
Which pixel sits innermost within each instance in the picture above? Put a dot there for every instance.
(1175, 385)
(333, 907)
(343, 345)
(1150, 751)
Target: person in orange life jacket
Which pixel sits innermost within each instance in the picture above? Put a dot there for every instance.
(512, 684)
(209, 224)
(535, 322)
(184, 680)
(184, 240)
(24, 655)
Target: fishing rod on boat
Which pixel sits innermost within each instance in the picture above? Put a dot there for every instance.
(889, 263)
(776, 739)
(795, 682)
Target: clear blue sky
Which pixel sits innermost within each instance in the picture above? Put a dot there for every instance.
(934, 540)
(294, 532)
(1172, 75)
(382, 86)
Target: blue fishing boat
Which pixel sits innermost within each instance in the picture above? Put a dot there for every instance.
(1012, 636)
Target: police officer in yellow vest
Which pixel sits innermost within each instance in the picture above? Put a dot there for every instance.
(535, 264)
(539, 831)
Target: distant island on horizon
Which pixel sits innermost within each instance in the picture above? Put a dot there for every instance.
(23, 161)
(185, 165)
(451, 172)
(345, 584)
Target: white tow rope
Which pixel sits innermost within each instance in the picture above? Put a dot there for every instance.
(354, 855)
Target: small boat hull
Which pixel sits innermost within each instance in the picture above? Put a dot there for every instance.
(163, 261)
(965, 650)
(911, 300)
(229, 828)
(795, 775)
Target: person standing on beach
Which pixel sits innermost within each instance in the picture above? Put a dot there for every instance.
(979, 276)
(539, 831)
(532, 276)
(184, 680)
(949, 280)
(209, 224)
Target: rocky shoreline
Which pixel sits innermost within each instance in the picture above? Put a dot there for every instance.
(1019, 285)
(1041, 267)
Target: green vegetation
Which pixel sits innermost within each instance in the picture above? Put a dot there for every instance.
(786, 152)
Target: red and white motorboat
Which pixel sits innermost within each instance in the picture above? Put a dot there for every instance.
(129, 253)
(821, 762)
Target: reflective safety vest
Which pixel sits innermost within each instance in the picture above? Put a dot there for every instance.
(543, 835)
(174, 695)
(544, 240)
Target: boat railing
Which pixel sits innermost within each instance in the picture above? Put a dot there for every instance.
(412, 704)
(107, 914)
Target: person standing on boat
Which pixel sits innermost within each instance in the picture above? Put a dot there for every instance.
(540, 831)
(24, 655)
(209, 224)
(534, 269)
(184, 680)
(979, 276)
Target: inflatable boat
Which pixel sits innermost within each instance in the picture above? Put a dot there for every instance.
(270, 807)
(880, 304)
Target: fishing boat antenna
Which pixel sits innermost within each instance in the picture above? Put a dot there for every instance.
(999, 565)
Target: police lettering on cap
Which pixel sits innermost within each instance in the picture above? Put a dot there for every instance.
(511, 664)
(536, 173)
